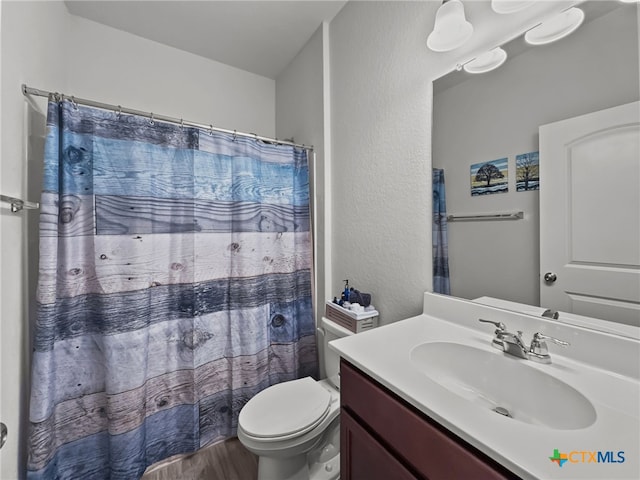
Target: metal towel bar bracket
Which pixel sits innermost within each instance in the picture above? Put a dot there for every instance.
(17, 204)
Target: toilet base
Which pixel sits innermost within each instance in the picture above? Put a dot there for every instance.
(291, 468)
(297, 468)
(329, 470)
(322, 462)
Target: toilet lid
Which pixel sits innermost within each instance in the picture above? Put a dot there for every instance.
(285, 409)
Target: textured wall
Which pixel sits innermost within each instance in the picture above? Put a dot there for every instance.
(381, 160)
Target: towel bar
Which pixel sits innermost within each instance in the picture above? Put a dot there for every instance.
(488, 216)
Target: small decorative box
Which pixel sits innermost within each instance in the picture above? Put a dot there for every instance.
(355, 321)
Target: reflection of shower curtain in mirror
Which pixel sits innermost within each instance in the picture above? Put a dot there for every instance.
(175, 284)
(440, 248)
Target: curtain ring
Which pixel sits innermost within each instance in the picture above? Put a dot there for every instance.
(74, 103)
(181, 124)
(151, 122)
(119, 112)
(210, 129)
(235, 135)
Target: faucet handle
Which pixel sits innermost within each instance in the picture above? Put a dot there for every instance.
(501, 326)
(541, 336)
(551, 314)
(539, 347)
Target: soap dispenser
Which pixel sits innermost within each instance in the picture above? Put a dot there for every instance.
(345, 294)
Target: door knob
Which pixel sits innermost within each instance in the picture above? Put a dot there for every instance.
(550, 277)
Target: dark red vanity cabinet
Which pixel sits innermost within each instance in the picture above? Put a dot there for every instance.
(367, 458)
(382, 437)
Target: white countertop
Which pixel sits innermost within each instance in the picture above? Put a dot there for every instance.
(384, 354)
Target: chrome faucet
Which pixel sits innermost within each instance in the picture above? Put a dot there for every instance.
(512, 343)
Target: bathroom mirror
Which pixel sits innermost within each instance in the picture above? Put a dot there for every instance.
(494, 116)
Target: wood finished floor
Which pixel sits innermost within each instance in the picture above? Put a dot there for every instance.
(227, 460)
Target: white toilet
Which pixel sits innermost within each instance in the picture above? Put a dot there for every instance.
(294, 427)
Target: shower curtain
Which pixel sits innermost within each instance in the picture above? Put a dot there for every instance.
(175, 284)
(439, 235)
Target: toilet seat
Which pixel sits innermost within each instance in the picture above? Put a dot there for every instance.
(285, 410)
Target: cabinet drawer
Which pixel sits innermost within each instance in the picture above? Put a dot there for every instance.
(419, 441)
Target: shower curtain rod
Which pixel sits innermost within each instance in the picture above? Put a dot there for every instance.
(162, 118)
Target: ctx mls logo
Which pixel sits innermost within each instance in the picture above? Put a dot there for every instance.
(582, 456)
(558, 457)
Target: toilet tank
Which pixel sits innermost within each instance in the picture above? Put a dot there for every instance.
(332, 331)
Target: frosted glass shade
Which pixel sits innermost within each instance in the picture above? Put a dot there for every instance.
(486, 62)
(510, 6)
(451, 29)
(555, 28)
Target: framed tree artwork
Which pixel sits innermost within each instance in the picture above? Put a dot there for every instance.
(489, 177)
(528, 172)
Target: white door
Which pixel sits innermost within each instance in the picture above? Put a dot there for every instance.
(590, 214)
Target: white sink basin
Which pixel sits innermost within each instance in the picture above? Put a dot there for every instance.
(505, 384)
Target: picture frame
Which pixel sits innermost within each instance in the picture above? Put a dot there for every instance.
(488, 178)
(528, 171)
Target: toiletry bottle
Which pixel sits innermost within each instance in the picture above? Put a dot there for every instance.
(346, 290)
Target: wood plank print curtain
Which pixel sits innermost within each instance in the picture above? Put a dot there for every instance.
(175, 284)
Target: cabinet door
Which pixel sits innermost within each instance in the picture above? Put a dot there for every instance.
(363, 458)
(424, 446)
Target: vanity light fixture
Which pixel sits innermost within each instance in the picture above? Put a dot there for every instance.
(556, 27)
(451, 29)
(630, 1)
(486, 62)
(510, 6)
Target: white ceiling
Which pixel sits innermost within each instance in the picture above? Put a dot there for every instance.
(257, 36)
(263, 36)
